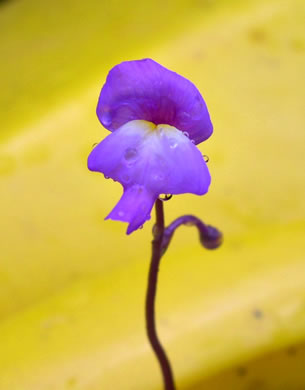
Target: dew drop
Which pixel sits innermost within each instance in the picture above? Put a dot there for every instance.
(125, 178)
(94, 144)
(206, 158)
(106, 177)
(172, 143)
(106, 119)
(193, 141)
(141, 227)
(186, 134)
(130, 154)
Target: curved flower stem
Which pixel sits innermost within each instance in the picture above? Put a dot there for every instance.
(157, 252)
(210, 237)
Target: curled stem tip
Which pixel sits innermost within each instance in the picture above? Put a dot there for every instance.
(210, 237)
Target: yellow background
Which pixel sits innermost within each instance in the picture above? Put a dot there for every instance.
(72, 285)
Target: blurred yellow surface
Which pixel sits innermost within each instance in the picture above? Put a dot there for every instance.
(72, 285)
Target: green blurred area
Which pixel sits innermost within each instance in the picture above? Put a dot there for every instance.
(72, 285)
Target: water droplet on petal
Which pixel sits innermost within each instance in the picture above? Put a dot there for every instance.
(130, 154)
(125, 178)
(141, 227)
(94, 144)
(206, 158)
(172, 143)
(106, 119)
(106, 177)
(193, 141)
(186, 134)
(121, 213)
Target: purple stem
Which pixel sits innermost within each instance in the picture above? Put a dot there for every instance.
(210, 238)
(157, 253)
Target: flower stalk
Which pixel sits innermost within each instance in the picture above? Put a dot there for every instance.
(157, 252)
(210, 238)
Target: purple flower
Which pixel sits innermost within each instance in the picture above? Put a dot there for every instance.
(156, 117)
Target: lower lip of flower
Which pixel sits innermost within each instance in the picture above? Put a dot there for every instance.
(153, 158)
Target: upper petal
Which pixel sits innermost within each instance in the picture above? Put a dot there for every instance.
(145, 90)
(162, 159)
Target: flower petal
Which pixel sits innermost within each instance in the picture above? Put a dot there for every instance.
(148, 160)
(134, 207)
(145, 90)
(160, 158)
